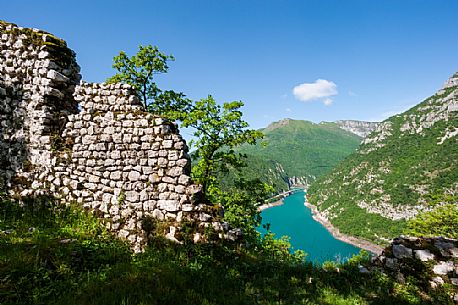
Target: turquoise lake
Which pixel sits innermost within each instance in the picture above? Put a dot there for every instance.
(295, 220)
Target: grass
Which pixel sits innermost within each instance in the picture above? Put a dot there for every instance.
(50, 254)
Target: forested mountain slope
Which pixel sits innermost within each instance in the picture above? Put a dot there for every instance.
(295, 152)
(408, 162)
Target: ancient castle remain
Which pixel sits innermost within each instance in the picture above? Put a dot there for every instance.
(431, 261)
(92, 144)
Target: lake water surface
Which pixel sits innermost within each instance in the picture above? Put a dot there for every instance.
(295, 220)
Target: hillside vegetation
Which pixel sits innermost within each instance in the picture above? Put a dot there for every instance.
(52, 254)
(408, 164)
(296, 152)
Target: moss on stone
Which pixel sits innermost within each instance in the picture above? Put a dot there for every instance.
(60, 53)
(21, 180)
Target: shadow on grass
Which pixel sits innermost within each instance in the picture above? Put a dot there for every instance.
(51, 254)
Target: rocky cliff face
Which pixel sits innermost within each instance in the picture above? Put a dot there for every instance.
(92, 144)
(407, 161)
(360, 128)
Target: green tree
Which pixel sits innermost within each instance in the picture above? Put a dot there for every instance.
(441, 221)
(241, 205)
(218, 129)
(139, 71)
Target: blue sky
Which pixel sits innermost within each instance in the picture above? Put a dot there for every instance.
(354, 59)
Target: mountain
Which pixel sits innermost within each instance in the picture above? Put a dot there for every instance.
(360, 128)
(295, 152)
(409, 161)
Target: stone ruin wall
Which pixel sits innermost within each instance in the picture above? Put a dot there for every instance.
(434, 259)
(126, 164)
(92, 144)
(38, 74)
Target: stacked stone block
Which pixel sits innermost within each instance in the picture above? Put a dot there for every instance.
(38, 74)
(92, 144)
(409, 256)
(125, 164)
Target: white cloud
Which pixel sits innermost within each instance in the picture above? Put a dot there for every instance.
(327, 102)
(288, 110)
(320, 90)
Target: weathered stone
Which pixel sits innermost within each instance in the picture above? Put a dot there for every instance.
(453, 252)
(100, 146)
(134, 176)
(132, 196)
(162, 162)
(401, 251)
(187, 207)
(175, 171)
(158, 214)
(170, 216)
(424, 255)
(90, 186)
(204, 217)
(149, 205)
(444, 247)
(162, 187)
(182, 162)
(180, 189)
(94, 179)
(197, 237)
(184, 180)
(173, 195)
(107, 198)
(169, 180)
(167, 144)
(436, 282)
(442, 268)
(164, 195)
(234, 234)
(89, 139)
(391, 263)
(57, 76)
(123, 233)
(171, 235)
(169, 205)
(115, 175)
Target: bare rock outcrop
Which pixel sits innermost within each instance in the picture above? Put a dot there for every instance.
(360, 128)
